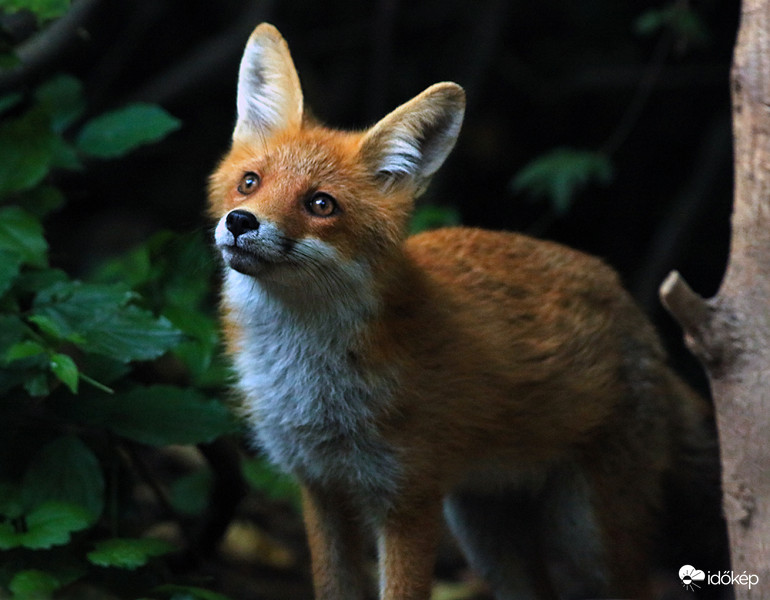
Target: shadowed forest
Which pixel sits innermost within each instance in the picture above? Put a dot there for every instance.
(604, 125)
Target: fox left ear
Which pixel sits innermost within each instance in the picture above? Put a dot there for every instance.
(414, 140)
(269, 93)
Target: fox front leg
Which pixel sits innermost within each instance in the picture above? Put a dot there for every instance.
(408, 542)
(336, 546)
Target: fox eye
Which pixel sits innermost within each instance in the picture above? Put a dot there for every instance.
(322, 205)
(249, 182)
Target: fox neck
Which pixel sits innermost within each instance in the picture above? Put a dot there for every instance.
(300, 356)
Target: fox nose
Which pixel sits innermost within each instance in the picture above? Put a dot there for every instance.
(240, 221)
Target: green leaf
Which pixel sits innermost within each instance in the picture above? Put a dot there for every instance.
(43, 9)
(264, 477)
(41, 200)
(127, 553)
(433, 217)
(680, 18)
(134, 268)
(10, 267)
(118, 132)
(66, 470)
(38, 280)
(64, 156)
(24, 349)
(62, 98)
(558, 175)
(12, 330)
(101, 320)
(50, 524)
(156, 415)
(27, 149)
(33, 584)
(37, 385)
(8, 60)
(21, 233)
(65, 370)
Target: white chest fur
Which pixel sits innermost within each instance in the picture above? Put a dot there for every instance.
(313, 409)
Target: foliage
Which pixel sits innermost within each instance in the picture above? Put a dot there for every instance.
(679, 18)
(42, 9)
(84, 362)
(433, 216)
(559, 174)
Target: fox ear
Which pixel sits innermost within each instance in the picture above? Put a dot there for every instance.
(269, 94)
(414, 140)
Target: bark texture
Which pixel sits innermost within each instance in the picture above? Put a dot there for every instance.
(730, 332)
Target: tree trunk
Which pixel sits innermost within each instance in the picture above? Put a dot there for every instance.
(730, 333)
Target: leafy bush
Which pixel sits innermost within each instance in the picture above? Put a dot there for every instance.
(558, 175)
(92, 370)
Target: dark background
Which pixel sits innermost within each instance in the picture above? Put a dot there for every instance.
(540, 74)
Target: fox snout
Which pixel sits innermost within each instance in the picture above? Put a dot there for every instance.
(242, 244)
(240, 221)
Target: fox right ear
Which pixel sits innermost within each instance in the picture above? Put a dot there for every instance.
(269, 93)
(413, 141)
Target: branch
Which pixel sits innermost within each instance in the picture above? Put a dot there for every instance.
(48, 45)
(693, 313)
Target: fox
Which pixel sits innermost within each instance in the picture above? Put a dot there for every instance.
(502, 387)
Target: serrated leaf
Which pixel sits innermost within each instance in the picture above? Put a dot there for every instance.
(65, 370)
(50, 524)
(22, 234)
(65, 470)
(37, 280)
(129, 554)
(33, 584)
(558, 175)
(157, 415)
(101, 320)
(116, 133)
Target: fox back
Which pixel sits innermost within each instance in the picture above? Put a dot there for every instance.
(506, 386)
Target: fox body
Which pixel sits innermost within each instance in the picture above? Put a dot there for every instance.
(506, 386)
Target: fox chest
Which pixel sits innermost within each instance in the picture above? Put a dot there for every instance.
(310, 406)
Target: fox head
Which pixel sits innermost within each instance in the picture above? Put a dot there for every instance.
(295, 200)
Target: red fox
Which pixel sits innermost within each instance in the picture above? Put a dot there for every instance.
(505, 386)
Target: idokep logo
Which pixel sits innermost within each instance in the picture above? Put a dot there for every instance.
(690, 576)
(693, 578)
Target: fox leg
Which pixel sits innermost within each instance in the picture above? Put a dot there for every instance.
(498, 534)
(408, 542)
(336, 546)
